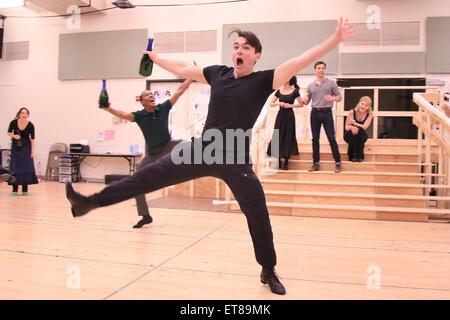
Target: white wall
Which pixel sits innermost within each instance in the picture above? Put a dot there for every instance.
(66, 111)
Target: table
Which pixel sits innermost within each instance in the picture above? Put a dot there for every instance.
(131, 158)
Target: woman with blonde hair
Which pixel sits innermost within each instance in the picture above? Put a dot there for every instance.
(358, 120)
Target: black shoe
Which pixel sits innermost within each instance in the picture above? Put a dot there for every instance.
(269, 277)
(145, 220)
(314, 167)
(80, 204)
(338, 168)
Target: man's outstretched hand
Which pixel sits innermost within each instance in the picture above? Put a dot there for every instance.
(344, 30)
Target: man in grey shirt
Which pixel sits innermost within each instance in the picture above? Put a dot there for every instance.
(323, 92)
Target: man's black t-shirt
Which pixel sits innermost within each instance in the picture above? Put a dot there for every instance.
(235, 103)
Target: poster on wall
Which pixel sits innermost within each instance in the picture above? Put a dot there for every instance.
(200, 100)
(162, 94)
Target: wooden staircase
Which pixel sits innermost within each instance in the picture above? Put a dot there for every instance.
(389, 185)
(367, 190)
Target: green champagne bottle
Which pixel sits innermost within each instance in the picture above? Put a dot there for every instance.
(103, 101)
(146, 65)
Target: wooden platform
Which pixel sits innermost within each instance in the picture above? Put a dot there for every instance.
(188, 254)
(394, 182)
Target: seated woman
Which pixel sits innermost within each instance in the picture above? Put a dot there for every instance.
(358, 120)
(287, 98)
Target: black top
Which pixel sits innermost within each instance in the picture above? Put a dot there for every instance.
(359, 121)
(25, 134)
(155, 126)
(288, 98)
(235, 103)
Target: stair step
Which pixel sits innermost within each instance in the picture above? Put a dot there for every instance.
(357, 173)
(402, 157)
(365, 162)
(351, 198)
(358, 195)
(343, 176)
(355, 183)
(367, 166)
(359, 208)
(348, 186)
(350, 211)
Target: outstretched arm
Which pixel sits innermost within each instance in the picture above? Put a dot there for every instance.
(181, 89)
(293, 66)
(120, 114)
(180, 68)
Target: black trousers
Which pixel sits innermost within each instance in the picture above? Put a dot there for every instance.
(241, 179)
(318, 118)
(141, 202)
(355, 144)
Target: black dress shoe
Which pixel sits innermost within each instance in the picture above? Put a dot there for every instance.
(80, 204)
(269, 277)
(145, 220)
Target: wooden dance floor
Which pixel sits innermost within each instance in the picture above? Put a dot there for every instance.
(47, 254)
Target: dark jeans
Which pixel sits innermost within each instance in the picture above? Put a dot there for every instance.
(355, 144)
(240, 178)
(325, 117)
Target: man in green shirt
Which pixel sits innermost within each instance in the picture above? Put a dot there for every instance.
(153, 121)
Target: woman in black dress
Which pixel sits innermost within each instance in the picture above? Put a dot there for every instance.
(287, 98)
(21, 131)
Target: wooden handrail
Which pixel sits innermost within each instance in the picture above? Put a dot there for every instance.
(421, 100)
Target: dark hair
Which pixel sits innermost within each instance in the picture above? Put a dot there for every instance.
(20, 110)
(293, 82)
(250, 37)
(319, 62)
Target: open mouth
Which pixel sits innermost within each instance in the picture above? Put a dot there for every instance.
(239, 62)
